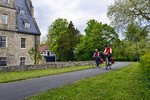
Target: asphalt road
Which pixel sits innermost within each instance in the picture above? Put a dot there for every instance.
(22, 89)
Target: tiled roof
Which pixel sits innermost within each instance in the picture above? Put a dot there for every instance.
(21, 19)
(43, 48)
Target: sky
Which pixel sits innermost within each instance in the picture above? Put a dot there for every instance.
(77, 11)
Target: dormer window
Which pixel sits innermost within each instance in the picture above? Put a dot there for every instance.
(6, 1)
(27, 25)
(22, 12)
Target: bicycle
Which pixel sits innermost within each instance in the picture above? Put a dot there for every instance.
(95, 62)
(107, 61)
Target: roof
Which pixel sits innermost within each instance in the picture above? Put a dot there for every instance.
(22, 19)
(44, 48)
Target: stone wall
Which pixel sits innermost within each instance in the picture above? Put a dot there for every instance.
(11, 19)
(9, 5)
(53, 65)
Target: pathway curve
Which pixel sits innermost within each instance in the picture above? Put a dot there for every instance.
(22, 89)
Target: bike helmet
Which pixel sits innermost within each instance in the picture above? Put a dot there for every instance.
(108, 45)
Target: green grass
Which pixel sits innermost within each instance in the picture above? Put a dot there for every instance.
(121, 84)
(17, 76)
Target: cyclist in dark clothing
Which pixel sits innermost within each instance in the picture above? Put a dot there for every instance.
(97, 57)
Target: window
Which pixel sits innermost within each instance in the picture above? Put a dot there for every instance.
(22, 60)
(22, 12)
(23, 42)
(2, 41)
(3, 61)
(6, 1)
(27, 25)
(4, 19)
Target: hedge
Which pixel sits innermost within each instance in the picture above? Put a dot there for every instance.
(145, 60)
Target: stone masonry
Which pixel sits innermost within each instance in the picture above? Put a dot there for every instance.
(13, 50)
(51, 65)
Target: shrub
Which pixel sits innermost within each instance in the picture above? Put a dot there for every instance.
(145, 60)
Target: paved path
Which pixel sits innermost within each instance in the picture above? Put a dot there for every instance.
(22, 89)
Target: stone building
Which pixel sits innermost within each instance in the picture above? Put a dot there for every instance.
(18, 32)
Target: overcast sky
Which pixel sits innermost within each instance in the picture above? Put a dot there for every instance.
(78, 11)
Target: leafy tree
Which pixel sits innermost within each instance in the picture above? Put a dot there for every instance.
(126, 50)
(135, 33)
(124, 12)
(98, 35)
(58, 27)
(131, 17)
(90, 27)
(63, 38)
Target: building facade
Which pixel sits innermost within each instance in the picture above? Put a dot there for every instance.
(18, 32)
(49, 56)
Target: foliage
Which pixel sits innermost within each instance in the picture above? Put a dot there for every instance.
(131, 18)
(97, 36)
(63, 38)
(145, 60)
(135, 33)
(124, 12)
(72, 38)
(58, 27)
(127, 51)
(122, 84)
(35, 56)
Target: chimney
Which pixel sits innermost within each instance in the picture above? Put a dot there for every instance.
(31, 8)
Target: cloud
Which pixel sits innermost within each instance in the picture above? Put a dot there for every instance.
(78, 11)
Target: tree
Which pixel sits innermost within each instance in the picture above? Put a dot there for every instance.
(68, 41)
(124, 12)
(62, 46)
(73, 39)
(135, 33)
(98, 35)
(58, 27)
(63, 38)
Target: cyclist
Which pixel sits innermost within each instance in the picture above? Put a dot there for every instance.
(109, 51)
(97, 57)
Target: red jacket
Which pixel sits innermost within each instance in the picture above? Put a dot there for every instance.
(108, 49)
(96, 54)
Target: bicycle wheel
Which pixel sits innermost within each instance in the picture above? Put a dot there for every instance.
(107, 63)
(94, 64)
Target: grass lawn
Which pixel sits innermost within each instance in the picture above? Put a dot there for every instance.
(121, 84)
(16, 76)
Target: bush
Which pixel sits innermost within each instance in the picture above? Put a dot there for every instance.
(145, 60)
